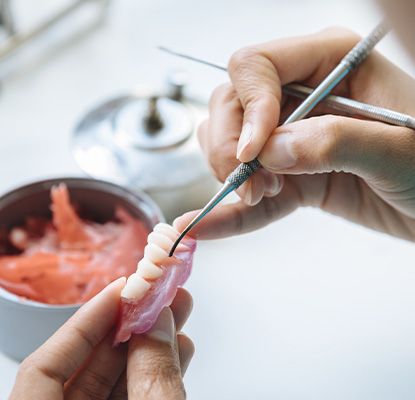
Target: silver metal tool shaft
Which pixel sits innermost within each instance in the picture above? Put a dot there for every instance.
(223, 192)
(191, 58)
(354, 107)
(353, 59)
(338, 103)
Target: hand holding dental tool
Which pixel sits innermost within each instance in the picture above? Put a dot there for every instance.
(339, 103)
(354, 58)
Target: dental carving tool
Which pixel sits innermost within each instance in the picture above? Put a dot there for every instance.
(354, 107)
(351, 61)
(338, 103)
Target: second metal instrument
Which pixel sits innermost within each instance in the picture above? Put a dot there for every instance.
(338, 103)
(351, 61)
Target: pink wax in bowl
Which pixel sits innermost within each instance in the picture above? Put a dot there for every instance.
(33, 305)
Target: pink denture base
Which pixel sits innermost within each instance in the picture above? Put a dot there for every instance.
(138, 316)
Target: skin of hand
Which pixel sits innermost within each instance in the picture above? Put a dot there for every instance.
(358, 169)
(79, 361)
(401, 15)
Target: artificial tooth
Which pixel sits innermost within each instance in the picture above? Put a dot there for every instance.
(147, 270)
(155, 253)
(135, 288)
(167, 230)
(160, 240)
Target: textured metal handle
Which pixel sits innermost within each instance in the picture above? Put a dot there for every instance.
(242, 173)
(370, 111)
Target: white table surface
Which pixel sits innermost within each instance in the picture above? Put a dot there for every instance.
(311, 307)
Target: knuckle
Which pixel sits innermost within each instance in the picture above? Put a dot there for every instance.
(336, 31)
(221, 158)
(33, 365)
(94, 384)
(254, 76)
(331, 128)
(159, 376)
(243, 58)
(86, 337)
(260, 101)
(169, 373)
(27, 365)
(222, 93)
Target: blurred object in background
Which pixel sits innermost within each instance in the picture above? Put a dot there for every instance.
(16, 32)
(146, 140)
(6, 18)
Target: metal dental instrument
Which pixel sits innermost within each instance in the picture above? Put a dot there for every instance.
(351, 61)
(354, 107)
(338, 103)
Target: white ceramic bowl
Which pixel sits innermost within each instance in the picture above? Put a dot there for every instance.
(25, 324)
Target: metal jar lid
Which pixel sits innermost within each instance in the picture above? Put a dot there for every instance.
(143, 139)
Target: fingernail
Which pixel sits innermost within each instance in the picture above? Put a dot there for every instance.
(112, 289)
(246, 194)
(187, 217)
(244, 139)
(176, 222)
(273, 186)
(116, 283)
(164, 329)
(281, 155)
(118, 280)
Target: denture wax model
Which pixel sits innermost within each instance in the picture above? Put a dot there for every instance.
(155, 283)
(68, 260)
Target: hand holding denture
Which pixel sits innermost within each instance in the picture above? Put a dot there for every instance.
(69, 260)
(80, 362)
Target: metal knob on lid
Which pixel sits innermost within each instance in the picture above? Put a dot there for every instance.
(153, 123)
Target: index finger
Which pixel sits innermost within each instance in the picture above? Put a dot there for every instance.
(219, 137)
(258, 72)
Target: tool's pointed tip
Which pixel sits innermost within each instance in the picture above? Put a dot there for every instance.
(173, 248)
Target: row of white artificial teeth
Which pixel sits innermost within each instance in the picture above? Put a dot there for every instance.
(159, 243)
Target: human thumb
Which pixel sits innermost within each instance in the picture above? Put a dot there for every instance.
(374, 151)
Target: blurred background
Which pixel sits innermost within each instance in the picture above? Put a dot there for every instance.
(311, 307)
